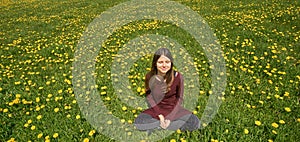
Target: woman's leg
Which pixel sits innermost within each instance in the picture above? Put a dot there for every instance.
(146, 122)
(187, 122)
(193, 123)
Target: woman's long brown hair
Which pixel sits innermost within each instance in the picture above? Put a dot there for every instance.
(170, 74)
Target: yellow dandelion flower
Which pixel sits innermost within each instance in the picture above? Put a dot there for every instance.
(40, 135)
(124, 108)
(86, 140)
(77, 116)
(270, 140)
(55, 135)
(129, 133)
(246, 131)
(281, 121)
(50, 95)
(122, 120)
(104, 87)
(56, 109)
(33, 127)
(195, 112)
(139, 89)
(92, 132)
(109, 122)
(298, 119)
(275, 125)
(47, 137)
(182, 140)
(274, 132)
(26, 125)
(37, 99)
(287, 109)
(286, 94)
(11, 140)
(17, 83)
(39, 117)
(48, 83)
(5, 110)
(202, 92)
(258, 123)
(172, 140)
(17, 95)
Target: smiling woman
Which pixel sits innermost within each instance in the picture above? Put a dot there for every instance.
(164, 89)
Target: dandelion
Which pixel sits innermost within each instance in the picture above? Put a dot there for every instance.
(11, 140)
(55, 135)
(17, 83)
(5, 110)
(56, 109)
(33, 127)
(26, 125)
(129, 133)
(122, 120)
(124, 108)
(275, 125)
(109, 122)
(40, 135)
(77, 116)
(258, 123)
(246, 131)
(39, 117)
(182, 140)
(287, 109)
(274, 132)
(92, 132)
(37, 99)
(172, 140)
(281, 121)
(86, 140)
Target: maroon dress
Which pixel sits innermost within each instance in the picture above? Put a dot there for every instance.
(170, 104)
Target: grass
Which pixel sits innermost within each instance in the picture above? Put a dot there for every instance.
(260, 40)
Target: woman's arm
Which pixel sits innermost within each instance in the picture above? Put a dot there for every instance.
(149, 95)
(179, 95)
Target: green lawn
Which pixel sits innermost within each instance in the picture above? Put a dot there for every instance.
(260, 41)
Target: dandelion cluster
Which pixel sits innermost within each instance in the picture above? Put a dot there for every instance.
(260, 41)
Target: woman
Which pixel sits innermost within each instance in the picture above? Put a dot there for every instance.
(164, 90)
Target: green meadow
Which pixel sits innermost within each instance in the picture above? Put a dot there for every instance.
(260, 40)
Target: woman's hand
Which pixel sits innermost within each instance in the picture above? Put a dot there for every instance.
(164, 123)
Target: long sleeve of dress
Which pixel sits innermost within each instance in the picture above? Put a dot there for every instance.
(179, 95)
(150, 95)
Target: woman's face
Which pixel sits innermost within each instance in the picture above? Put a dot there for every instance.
(163, 64)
